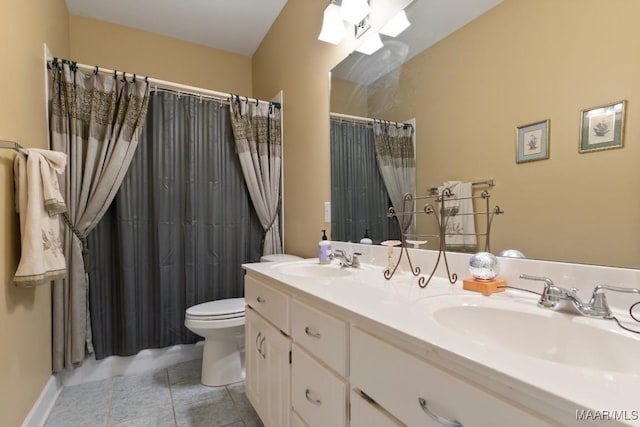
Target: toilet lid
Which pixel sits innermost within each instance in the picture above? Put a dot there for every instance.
(216, 310)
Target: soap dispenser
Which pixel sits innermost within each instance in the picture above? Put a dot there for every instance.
(366, 240)
(324, 249)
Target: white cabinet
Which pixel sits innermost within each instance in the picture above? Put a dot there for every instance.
(308, 365)
(268, 369)
(322, 335)
(416, 392)
(317, 395)
(319, 390)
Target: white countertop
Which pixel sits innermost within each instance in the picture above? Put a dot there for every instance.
(401, 305)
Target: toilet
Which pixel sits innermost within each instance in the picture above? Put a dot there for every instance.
(221, 324)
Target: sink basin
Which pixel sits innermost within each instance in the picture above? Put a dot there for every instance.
(524, 328)
(313, 269)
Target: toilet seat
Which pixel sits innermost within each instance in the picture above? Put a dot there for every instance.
(224, 309)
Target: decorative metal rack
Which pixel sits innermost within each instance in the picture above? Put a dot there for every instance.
(442, 216)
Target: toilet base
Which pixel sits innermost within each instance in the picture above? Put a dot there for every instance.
(221, 363)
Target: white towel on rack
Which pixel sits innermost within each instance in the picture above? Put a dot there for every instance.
(38, 201)
(460, 229)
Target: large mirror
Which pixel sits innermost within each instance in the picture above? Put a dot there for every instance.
(519, 62)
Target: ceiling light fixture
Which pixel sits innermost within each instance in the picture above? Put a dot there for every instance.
(333, 30)
(370, 44)
(396, 25)
(354, 11)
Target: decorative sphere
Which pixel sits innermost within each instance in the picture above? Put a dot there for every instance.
(484, 266)
(512, 253)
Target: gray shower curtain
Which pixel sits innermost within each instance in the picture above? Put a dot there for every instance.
(359, 199)
(177, 232)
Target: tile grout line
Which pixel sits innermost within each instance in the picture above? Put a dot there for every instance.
(173, 404)
(235, 406)
(108, 421)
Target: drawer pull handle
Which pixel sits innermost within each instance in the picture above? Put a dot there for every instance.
(307, 394)
(308, 331)
(257, 341)
(262, 352)
(261, 300)
(441, 420)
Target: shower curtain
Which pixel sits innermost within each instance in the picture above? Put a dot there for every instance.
(177, 232)
(359, 199)
(96, 120)
(256, 129)
(397, 163)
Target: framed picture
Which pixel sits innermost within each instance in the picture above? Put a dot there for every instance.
(532, 142)
(602, 128)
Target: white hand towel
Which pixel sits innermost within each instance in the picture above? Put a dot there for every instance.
(460, 229)
(39, 201)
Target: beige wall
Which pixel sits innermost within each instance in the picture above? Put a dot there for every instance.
(523, 62)
(25, 314)
(134, 51)
(349, 98)
(292, 59)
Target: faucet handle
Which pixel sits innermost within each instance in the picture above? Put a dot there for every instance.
(355, 262)
(599, 303)
(551, 294)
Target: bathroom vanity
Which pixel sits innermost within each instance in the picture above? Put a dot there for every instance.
(329, 346)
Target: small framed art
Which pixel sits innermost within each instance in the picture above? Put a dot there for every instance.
(602, 128)
(532, 142)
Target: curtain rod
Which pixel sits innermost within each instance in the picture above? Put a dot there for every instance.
(364, 119)
(164, 84)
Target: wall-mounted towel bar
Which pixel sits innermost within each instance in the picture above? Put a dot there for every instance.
(488, 182)
(10, 144)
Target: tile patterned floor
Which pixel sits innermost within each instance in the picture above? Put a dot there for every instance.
(170, 397)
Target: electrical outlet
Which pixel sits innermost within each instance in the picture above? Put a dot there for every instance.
(327, 211)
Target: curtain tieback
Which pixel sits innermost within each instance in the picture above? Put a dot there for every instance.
(83, 241)
(273, 220)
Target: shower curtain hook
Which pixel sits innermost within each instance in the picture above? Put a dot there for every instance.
(134, 77)
(95, 72)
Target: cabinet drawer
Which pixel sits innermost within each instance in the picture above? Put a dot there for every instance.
(317, 395)
(397, 380)
(321, 334)
(272, 304)
(366, 414)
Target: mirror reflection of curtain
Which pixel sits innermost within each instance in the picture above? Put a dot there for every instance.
(97, 120)
(359, 199)
(177, 232)
(397, 163)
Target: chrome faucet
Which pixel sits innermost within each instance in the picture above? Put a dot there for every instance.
(346, 260)
(558, 298)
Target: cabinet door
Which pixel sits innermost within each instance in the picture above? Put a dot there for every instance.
(254, 362)
(276, 349)
(268, 372)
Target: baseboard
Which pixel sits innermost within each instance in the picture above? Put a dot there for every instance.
(40, 410)
(94, 370)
